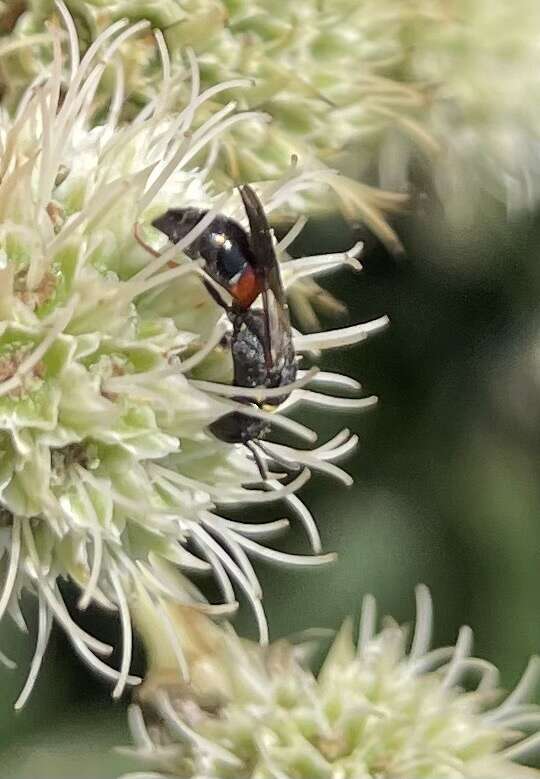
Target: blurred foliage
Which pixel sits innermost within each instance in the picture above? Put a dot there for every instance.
(446, 480)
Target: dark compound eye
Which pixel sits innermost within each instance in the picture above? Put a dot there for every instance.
(231, 247)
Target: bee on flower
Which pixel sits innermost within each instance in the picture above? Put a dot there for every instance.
(115, 361)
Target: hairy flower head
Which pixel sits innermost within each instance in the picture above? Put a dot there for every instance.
(112, 365)
(297, 62)
(377, 708)
(375, 86)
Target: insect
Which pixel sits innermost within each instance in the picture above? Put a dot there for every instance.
(246, 266)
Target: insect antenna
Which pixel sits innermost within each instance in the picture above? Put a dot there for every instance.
(140, 240)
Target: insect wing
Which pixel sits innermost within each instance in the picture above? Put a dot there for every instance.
(265, 260)
(267, 269)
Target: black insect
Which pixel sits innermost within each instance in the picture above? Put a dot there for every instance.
(245, 266)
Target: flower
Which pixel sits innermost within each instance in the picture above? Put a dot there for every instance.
(111, 363)
(376, 708)
(295, 62)
(297, 58)
(375, 88)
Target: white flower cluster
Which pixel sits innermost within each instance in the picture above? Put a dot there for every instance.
(111, 361)
(305, 63)
(372, 85)
(377, 709)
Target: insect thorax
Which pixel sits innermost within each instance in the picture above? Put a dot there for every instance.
(223, 245)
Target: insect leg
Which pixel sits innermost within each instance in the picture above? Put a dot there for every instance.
(261, 465)
(214, 294)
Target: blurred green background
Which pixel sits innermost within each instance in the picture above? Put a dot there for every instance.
(446, 480)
